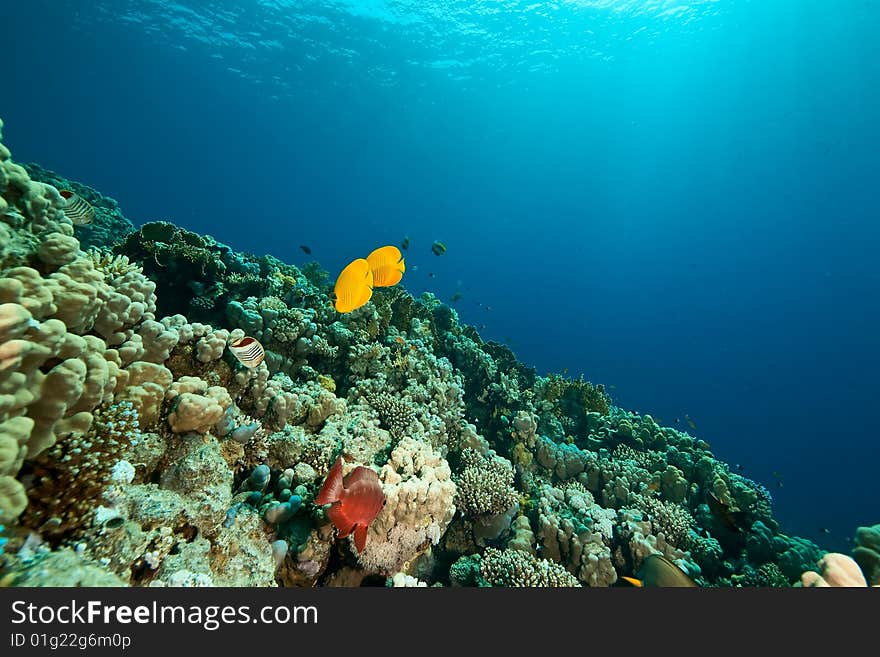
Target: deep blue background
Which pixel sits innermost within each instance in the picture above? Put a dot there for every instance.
(681, 206)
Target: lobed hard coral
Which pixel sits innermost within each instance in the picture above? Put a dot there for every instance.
(419, 493)
(837, 570)
(866, 552)
(574, 531)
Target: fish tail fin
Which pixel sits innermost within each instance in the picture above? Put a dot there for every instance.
(634, 581)
(332, 489)
(360, 537)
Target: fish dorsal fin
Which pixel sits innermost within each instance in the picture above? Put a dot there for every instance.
(361, 475)
(332, 490)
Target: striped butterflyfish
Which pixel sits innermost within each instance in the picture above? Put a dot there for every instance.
(76, 208)
(248, 351)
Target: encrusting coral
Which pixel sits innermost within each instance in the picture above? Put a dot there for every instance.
(135, 449)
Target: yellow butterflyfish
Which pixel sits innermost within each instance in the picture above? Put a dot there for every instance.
(354, 286)
(387, 266)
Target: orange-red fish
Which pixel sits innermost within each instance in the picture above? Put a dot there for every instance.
(355, 500)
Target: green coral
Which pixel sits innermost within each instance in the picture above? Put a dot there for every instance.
(568, 404)
(573, 396)
(316, 275)
(768, 575)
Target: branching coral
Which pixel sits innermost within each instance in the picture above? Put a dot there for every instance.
(673, 520)
(70, 477)
(112, 266)
(514, 568)
(395, 413)
(484, 485)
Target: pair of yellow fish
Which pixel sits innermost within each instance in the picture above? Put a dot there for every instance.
(384, 267)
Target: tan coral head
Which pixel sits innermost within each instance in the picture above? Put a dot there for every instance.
(836, 570)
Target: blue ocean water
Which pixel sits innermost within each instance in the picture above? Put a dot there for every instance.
(675, 199)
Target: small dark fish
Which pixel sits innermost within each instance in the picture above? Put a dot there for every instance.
(431, 274)
(735, 521)
(676, 420)
(438, 248)
(405, 243)
(825, 530)
(305, 249)
(739, 466)
(482, 327)
(779, 484)
(455, 297)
